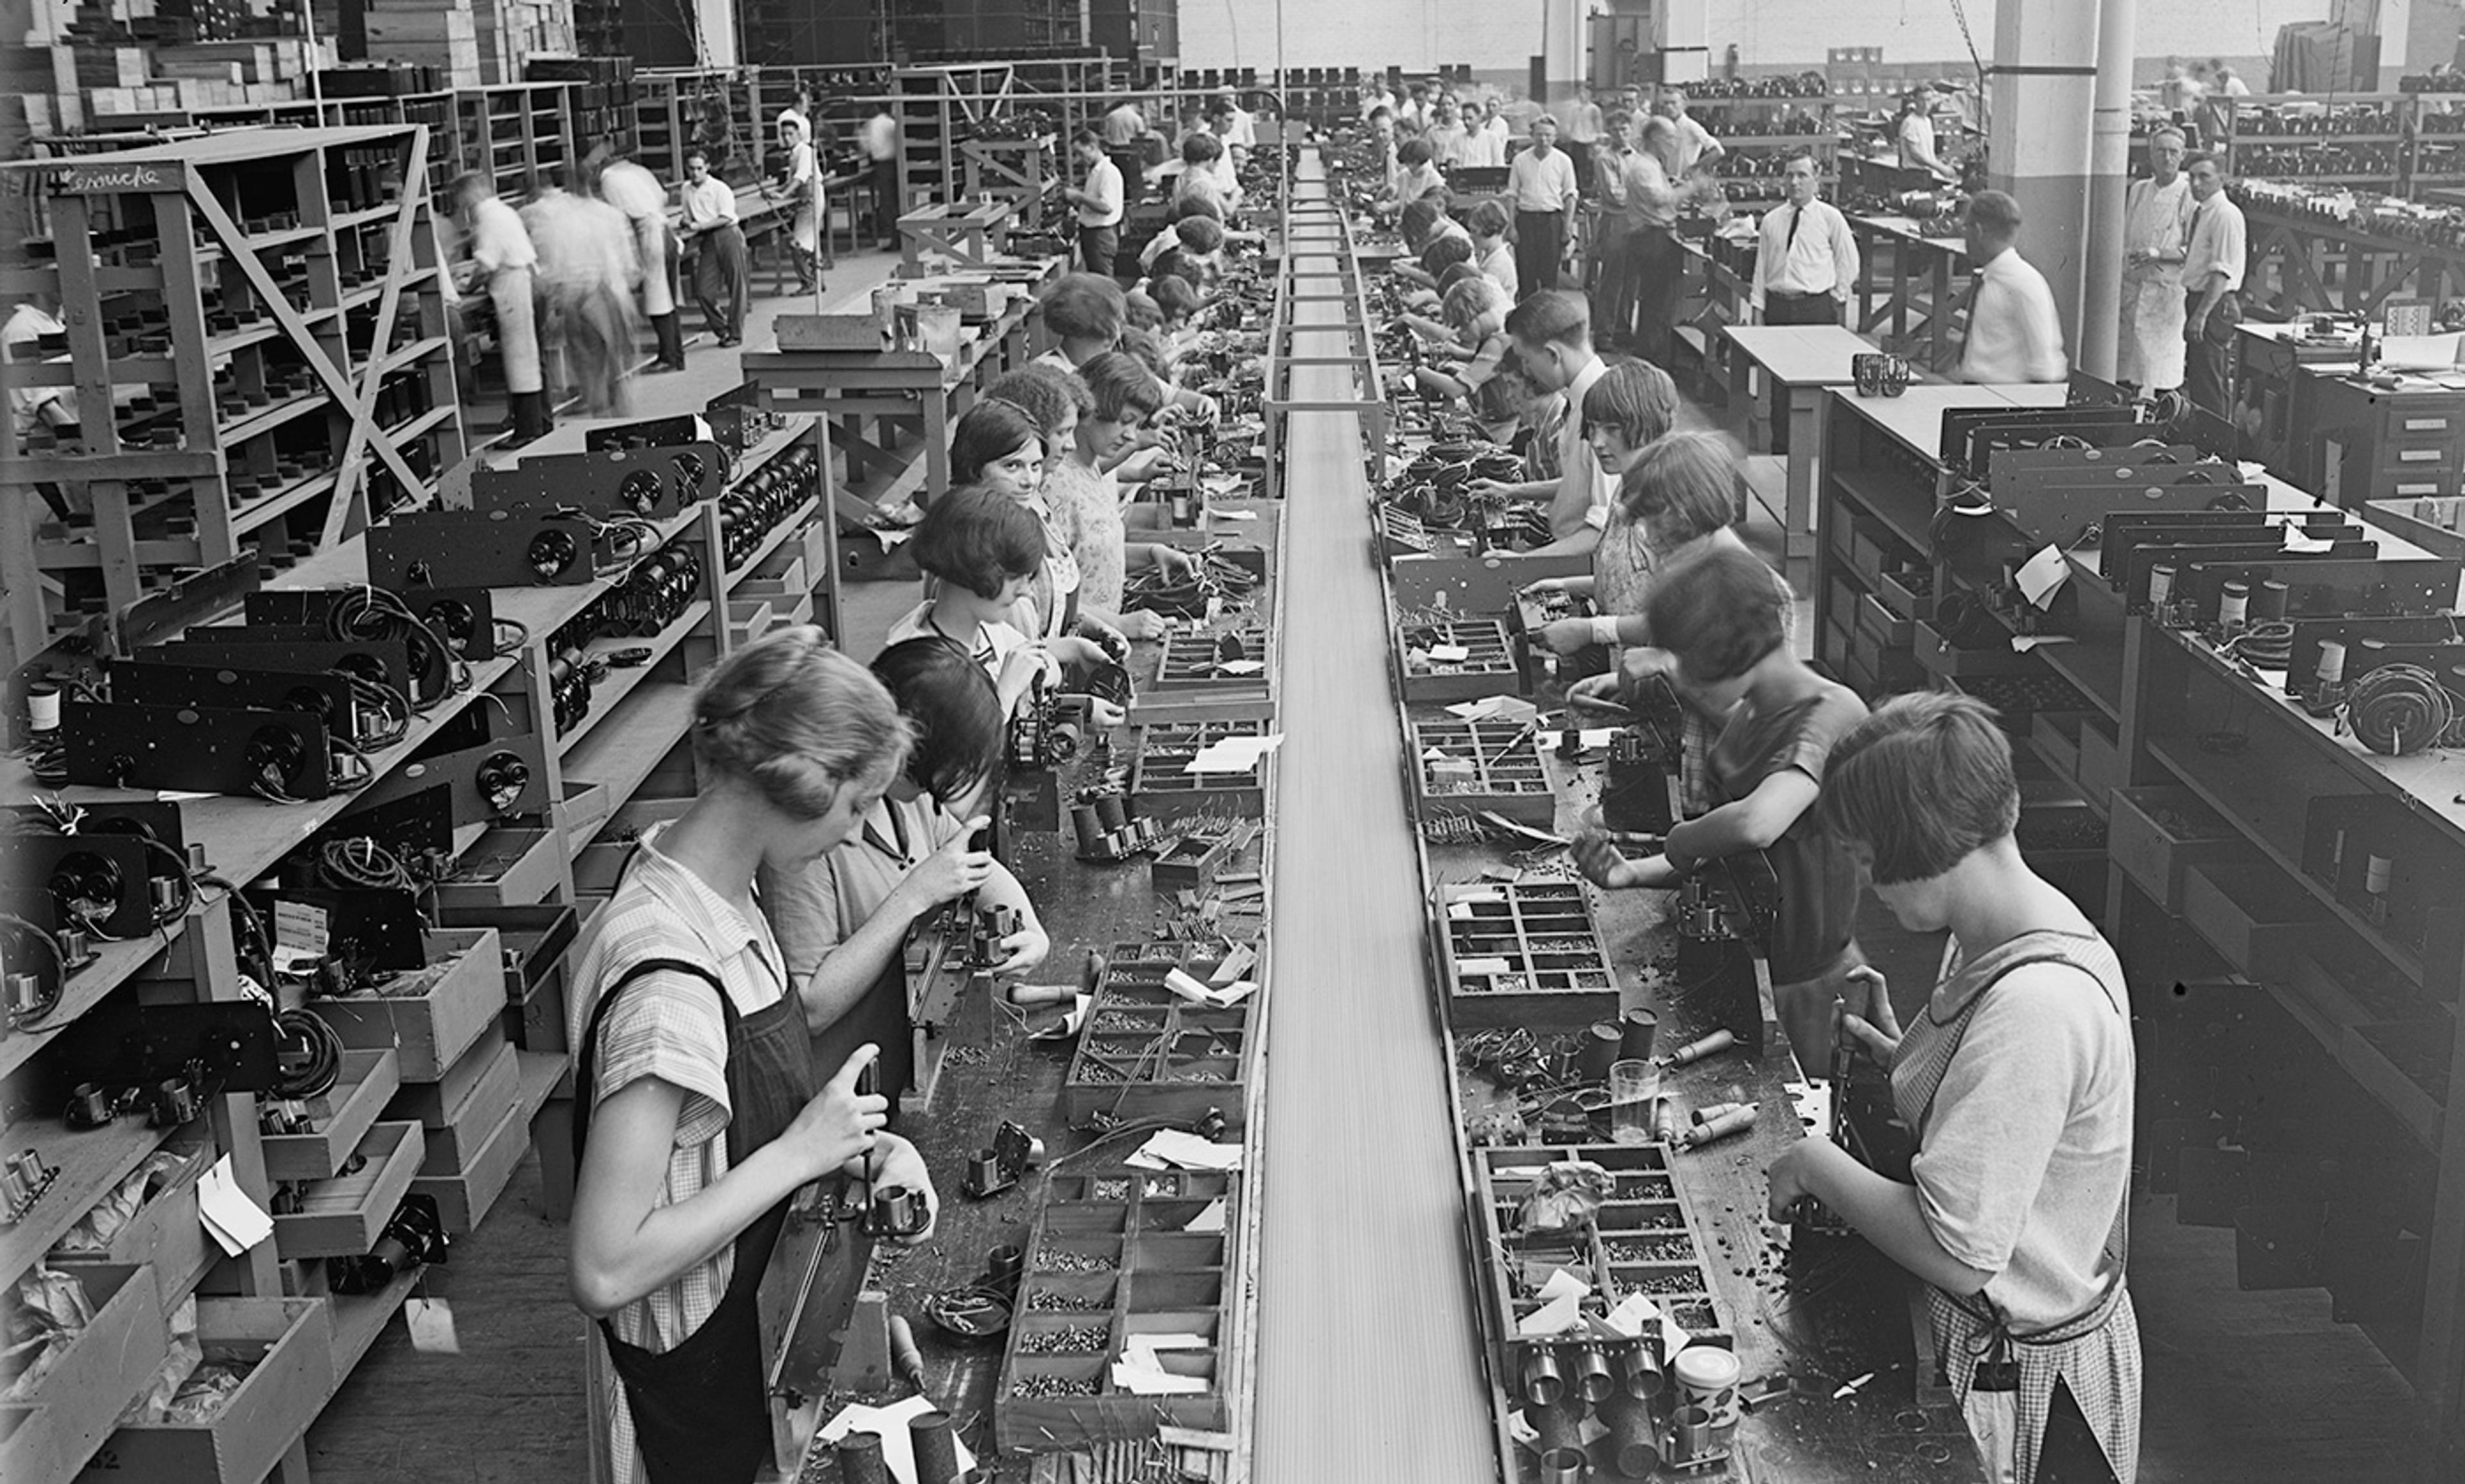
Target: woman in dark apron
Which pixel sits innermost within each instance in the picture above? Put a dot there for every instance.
(699, 1112)
(843, 919)
(2017, 1080)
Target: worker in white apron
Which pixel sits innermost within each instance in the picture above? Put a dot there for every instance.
(503, 262)
(2156, 238)
(625, 184)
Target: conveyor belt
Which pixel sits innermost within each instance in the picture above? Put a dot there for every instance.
(1369, 1361)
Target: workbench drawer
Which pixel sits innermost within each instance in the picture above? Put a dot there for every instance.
(52, 1434)
(2157, 834)
(342, 1217)
(342, 1117)
(164, 1234)
(1886, 629)
(2251, 911)
(460, 994)
(464, 1196)
(291, 1341)
(506, 867)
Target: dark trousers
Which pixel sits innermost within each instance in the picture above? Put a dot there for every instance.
(1133, 164)
(1579, 154)
(1800, 309)
(720, 267)
(1098, 248)
(2204, 375)
(1540, 246)
(1659, 272)
(1795, 309)
(885, 200)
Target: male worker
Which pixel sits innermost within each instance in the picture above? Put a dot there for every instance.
(1695, 146)
(2013, 333)
(633, 190)
(1552, 332)
(1098, 201)
(1806, 257)
(1125, 130)
(2156, 238)
(2213, 267)
(720, 258)
(1541, 182)
(882, 152)
(502, 263)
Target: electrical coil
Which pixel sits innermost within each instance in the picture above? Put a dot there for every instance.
(2397, 710)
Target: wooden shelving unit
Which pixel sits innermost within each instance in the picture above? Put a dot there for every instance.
(938, 108)
(269, 363)
(2264, 975)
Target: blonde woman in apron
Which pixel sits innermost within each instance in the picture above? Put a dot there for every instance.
(2016, 1077)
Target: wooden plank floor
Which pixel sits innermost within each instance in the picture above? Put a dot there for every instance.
(1369, 1357)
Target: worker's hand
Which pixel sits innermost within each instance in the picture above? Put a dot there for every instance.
(1024, 949)
(2195, 325)
(1143, 625)
(1072, 650)
(1868, 1018)
(1103, 715)
(1544, 584)
(948, 874)
(1176, 565)
(1566, 635)
(1489, 489)
(1021, 667)
(1638, 665)
(1601, 863)
(1601, 688)
(837, 1126)
(1788, 1179)
(897, 1162)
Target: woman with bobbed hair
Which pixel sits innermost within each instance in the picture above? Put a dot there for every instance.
(843, 919)
(2017, 1080)
(699, 1111)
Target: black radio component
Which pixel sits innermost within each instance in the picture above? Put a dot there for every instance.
(282, 756)
(357, 930)
(102, 884)
(384, 662)
(413, 1237)
(655, 594)
(492, 549)
(763, 498)
(321, 694)
(464, 619)
(651, 432)
(491, 777)
(646, 482)
(1046, 729)
(573, 672)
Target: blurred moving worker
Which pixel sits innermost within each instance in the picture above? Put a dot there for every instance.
(505, 265)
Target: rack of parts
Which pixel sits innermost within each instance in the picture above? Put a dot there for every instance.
(1166, 1036)
(1525, 953)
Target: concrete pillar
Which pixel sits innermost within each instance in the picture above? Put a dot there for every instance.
(1685, 41)
(2042, 84)
(2110, 168)
(1566, 36)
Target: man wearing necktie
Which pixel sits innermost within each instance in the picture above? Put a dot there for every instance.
(1806, 262)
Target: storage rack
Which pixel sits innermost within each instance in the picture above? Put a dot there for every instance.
(1162, 786)
(1757, 133)
(1644, 1239)
(1146, 1052)
(1488, 667)
(2363, 140)
(519, 135)
(2264, 978)
(937, 107)
(1525, 953)
(268, 365)
(453, 1073)
(716, 110)
(1506, 776)
(1110, 1257)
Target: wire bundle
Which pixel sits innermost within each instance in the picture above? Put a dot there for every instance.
(369, 614)
(2400, 709)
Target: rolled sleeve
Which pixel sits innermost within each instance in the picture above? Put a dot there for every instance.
(804, 911)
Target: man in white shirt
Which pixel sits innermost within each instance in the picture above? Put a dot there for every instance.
(2156, 238)
(1584, 123)
(719, 259)
(503, 262)
(631, 189)
(1125, 131)
(2014, 334)
(1553, 338)
(1100, 203)
(1655, 261)
(882, 151)
(1374, 97)
(2212, 266)
(1449, 146)
(21, 345)
(1240, 131)
(1542, 184)
(1695, 146)
(1485, 134)
(1806, 257)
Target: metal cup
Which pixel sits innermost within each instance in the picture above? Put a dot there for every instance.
(1564, 1466)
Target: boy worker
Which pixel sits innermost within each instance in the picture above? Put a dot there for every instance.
(1553, 338)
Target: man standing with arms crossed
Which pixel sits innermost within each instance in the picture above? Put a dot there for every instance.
(2212, 284)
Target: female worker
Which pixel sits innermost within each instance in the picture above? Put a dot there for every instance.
(843, 919)
(697, 1113)
(1625, 413)
(2017, 1081)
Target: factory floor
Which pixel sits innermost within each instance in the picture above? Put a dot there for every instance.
(2239, 1386)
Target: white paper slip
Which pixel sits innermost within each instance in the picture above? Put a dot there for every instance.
(1241, 666)
(1632, 1313)
(2296, 540)
(1554, 1317)
(1210, 1219)
(1232, 515)
(1564, 1282)
(237, 1222)
(1449, 654)
(2023, 643)
(889, 1424)
(1141, 1380)
(2043, 575)
(432, 1326)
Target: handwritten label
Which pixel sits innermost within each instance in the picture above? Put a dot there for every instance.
(90, 179)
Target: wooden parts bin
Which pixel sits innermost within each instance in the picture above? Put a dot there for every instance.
(342, 1217)
(430, 1017)
(291, 1344)
(1110, 1250)
(1147, 1052)
(1461, 766)
(1525, 953)
(1488, 667)
(1162, 786)
(50, 1437)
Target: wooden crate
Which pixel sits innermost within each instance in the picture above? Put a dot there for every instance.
(508, 865)
(2157, 834)
(54, 1432)
(463, 1196)
(341, 1117)
(1221, 675)
(1644, 1238)
(164, 1235)
(1144, 1051)
(1487, 668)
(291, 1341)
(431, 1104)
(1460, 767)
(1525, 953)
(1162, 786)
(430, 1017)
(340, 1217)
(1151, 1276)
(472, 1120)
